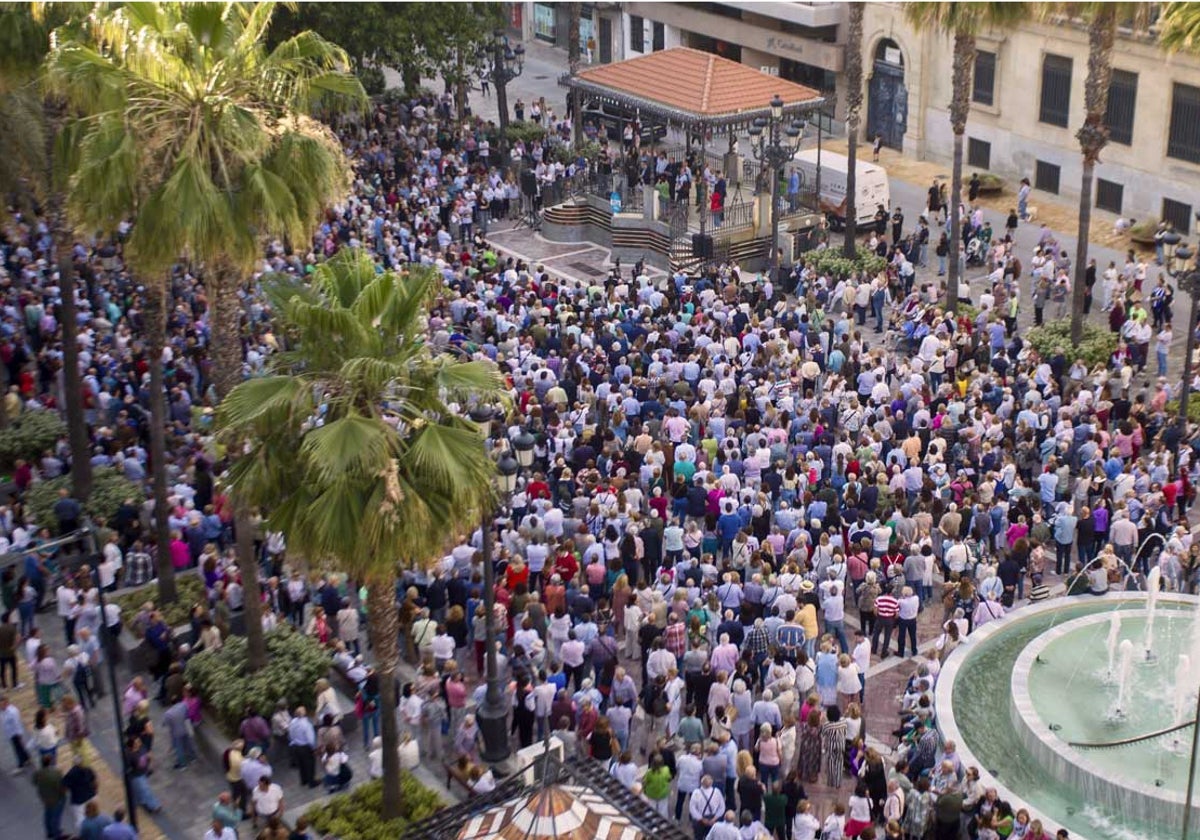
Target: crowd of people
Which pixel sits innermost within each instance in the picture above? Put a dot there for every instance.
(737, 497)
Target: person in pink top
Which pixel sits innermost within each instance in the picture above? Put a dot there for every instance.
(769, 756)
(181, 558)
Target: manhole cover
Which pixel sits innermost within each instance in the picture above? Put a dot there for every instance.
(587, 268)
(540, 78)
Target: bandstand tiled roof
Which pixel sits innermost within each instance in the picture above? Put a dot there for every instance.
(691, 87)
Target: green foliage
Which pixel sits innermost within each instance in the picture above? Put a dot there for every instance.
(29, 436)
(109, 491)
(294, 664)
(177, 613)
(1143, 231)
(831, 263)
(1193, 408)
(1096, 348)
(356, 815)
(372, 80)
(989, 183)
(529, 132)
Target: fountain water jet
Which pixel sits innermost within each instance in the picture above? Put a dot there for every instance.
(1114, 636)
(1153, 586)
(1126, 649)
(1183, 674)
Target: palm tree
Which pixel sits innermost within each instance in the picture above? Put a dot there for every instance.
(1179, 27)
(854, 83)
(354, 443)
(963, 21)
(28, 160)
(221, 156)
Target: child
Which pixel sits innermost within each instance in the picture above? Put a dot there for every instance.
(835, 824)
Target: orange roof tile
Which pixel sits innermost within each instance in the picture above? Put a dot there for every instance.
(696, 82)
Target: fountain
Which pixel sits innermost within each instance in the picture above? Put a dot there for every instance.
(1126, 649)
(1153, 587)
(1086, 748)
(1114, 637)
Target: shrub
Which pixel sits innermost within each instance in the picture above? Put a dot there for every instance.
(294, 664)
(29, 436)
(989, 183)
(527, 131)
(832, 263)
(1193, 409)
(110, 489)
(355, 815)
(190, 588)
(1096, 348)
(1143, 231)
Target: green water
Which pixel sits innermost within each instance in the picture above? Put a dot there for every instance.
(1069, 690)
(981, 708)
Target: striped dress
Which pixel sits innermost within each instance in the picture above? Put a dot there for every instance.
(833, 751)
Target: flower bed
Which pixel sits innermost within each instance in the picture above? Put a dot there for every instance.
(355, 815)
(294, 664)
(1096, 348)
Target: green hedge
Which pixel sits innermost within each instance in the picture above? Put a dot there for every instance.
(355, 815)
(29, 436)
(190, 588)
(527, 131)
(294, 664)
(1097, 346)
(110, 489)
(832, 263)
(1193, 408)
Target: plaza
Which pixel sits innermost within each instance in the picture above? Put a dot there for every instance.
(543, 437)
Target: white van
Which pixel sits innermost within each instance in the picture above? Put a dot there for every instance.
(871, 185)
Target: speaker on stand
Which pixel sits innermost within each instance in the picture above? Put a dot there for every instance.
(531, 211)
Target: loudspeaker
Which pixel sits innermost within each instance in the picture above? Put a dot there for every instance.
(702, 245)
(529, 183)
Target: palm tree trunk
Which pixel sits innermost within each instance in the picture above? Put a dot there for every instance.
(156, 324)
(1079, 291)
(1092, 136)
(854, 81)
(574, 11)
(77, 433)
(384, 622)
(227, 373)
(960, 107)
(952, 278)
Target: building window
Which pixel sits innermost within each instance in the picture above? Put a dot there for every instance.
(1122, 98)
(1056, 90)
(1046, 177)
(660, 37)
(545, 23)
(637, 33)
(985, 78)
(979, 153)
(1184, 138)
(1178, 214)
(1109, 195)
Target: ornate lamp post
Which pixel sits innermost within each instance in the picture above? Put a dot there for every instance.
(492, 714)
(507, 62)
(773, 145)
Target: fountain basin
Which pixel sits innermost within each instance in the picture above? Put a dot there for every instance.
(1063, 697)
(974, 709)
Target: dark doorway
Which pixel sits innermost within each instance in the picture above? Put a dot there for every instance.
(887, 106)
(605, 40)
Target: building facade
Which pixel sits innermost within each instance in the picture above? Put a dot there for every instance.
(1027, 103)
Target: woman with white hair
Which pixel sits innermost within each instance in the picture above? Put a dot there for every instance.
(743, 704)
(770, 754)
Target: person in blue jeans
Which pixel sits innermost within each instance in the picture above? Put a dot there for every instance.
(139, 762)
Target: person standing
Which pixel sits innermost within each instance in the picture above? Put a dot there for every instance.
(14, 730)
(10, 638)
(180, 729)
(302, 741)
(48, 780)
(80, 784)
(910, 605)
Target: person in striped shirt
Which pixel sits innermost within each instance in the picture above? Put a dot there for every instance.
(887, 607)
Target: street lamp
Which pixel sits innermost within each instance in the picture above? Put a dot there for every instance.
(507, 63)
(523, 444)
(492, 713)
(773, 145)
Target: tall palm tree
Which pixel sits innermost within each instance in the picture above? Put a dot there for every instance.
(1179, 27)
(222, 156)
(854, 83)
(355, 445)
(32, 118)
(962, 21)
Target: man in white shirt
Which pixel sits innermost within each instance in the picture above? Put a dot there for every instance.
(705, 806)
(219, 831)
(268, 800)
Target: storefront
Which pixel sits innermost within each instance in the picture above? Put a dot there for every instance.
(545, 22)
